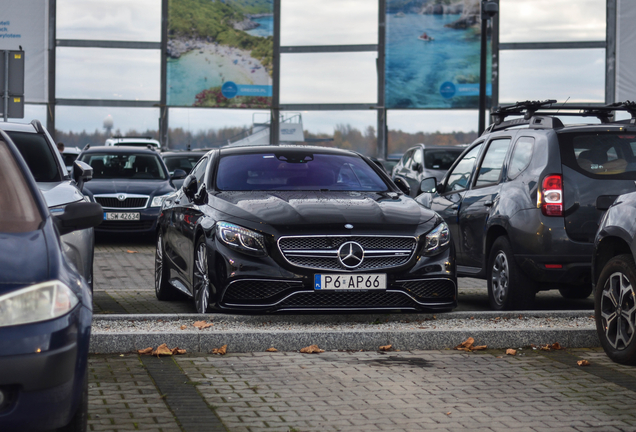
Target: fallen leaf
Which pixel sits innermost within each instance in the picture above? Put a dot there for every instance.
(468, 346)
(162, 350)
(448, 413)
(386, 348)
(220, 351)
(183, 327)
(145, 351)
(271, 349)
(202, 325)
(177, 350)
(311, 349)
(131, 251)
(583, 363)
(479, 347)
(554, 346)
(511, 351)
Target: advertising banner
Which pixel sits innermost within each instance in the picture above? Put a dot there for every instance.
(220, 53)
(625, 53)
(25, 23)
(432, 54)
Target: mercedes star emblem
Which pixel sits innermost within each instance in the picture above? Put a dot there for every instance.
(350, 254)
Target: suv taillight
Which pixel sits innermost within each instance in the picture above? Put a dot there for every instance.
(551, 196)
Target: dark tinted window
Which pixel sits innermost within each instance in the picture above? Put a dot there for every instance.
(184, 162)
(18, 210)
(521, 156)
(600, 155)
(440, 159)
(490, 169)
(199, 171)
(458, 178)
(38, 155)
(296, 171)
(69, 158)
(128, 166)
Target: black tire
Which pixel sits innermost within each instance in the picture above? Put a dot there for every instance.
(79, 421)
(200, 277)
(163, 290)
(576, 292)
(508, 287)
(615, 309)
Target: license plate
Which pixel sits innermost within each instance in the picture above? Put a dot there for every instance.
(121, 216)
(350, 281)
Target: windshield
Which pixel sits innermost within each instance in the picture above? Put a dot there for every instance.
(38, 156)
(297, 171)
(18, 211)
(440, 159)
(125, 166)
(183, 162)
(600, 155)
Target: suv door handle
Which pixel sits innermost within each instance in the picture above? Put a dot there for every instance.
(488, 203)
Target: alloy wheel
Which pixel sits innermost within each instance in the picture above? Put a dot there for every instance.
(618, 311)
(158, 264)
(500, 278)
(201, 279)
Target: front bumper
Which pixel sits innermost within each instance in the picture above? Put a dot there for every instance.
(244, 283)
(146, 224)
(42, 369)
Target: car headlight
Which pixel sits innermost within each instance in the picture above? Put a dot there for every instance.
(437, 238)
(35, 303)
(241, 239)
(158, 201)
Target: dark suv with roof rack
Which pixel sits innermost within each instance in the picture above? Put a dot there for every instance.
(523, 202)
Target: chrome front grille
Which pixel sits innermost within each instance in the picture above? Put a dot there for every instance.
(129, 202)
(321, 252)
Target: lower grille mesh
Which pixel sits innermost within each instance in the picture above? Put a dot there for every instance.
(344, 300)
(257, 289)
(435, 289)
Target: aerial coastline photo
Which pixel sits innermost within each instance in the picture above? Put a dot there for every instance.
(220, 53)
(432, 53)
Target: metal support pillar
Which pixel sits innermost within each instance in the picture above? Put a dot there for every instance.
(610, 53)
(5, 95)
(382, 125)
(274, 128)
(163, 98)
(50, 114)
(494, 38)
(482, 74)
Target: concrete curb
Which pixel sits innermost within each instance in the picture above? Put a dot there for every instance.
(342, 340)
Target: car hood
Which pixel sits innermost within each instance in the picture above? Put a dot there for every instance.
(140, 187)
(61, 193)
(23, 260)
(379, 211)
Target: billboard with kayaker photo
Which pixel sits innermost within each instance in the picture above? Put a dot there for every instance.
(432, 54)
(220, 53)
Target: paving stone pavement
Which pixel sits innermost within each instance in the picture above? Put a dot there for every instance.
(371, 391)
(124, 283)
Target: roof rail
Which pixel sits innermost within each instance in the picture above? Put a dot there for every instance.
(38, 126)
(548, 109)
(132, 136)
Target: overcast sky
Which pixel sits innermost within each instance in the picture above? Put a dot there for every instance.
(317, 78)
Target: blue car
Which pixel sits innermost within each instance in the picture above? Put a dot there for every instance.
(45, 306)
(130, 183)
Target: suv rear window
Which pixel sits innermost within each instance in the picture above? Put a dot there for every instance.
(600, 155)
(440, 159)
(38, 155)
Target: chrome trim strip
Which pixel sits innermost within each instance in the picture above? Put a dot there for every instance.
(147, 197)
(180, 286)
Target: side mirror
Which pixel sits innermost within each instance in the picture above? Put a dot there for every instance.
(178, 174)
(440, 188)
(78, 216)
(190, 186)
(82, 172)
(403, 185)
(417, 167)
(428, 185)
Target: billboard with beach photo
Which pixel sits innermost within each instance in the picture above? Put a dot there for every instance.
(432, 54)
(220, 53)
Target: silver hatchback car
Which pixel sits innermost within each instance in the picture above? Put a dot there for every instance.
(58, 188)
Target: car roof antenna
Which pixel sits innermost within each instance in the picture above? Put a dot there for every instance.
(563, 104)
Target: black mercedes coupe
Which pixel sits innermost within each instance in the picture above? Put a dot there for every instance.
(297, 228)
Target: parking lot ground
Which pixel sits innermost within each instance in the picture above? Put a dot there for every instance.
(124, 284)
(363, 391)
